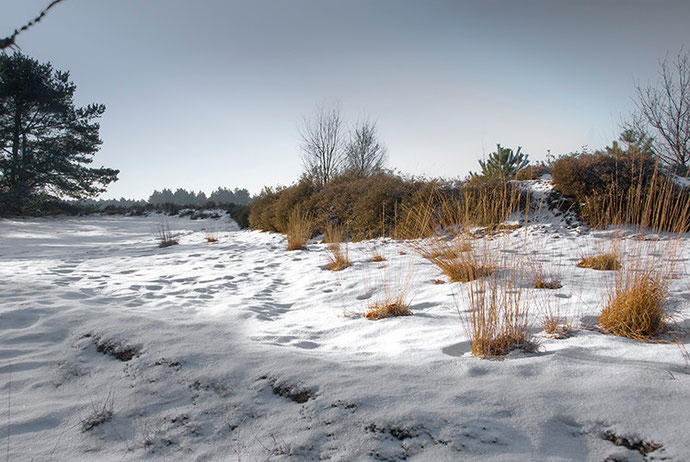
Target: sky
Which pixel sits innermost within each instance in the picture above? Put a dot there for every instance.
(208, 93)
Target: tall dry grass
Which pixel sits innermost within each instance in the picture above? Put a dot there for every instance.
(456, 257)
(635, 305)
(656, 204)
(338, 257)
(482, 202)
(497, 319)
(299, 229)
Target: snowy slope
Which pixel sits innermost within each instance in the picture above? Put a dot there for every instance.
(243, 351)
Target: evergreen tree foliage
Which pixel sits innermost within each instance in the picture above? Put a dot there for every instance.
(504, 162)
(182, 197)
(46, 143)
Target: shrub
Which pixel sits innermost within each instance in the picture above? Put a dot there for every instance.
(299, 229)
(365, 207)
(622, 187)
(533, 172)
(239, 213)
(385, 204)
(608, 261)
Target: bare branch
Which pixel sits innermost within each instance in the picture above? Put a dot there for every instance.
(322, 144)
(665, 109)
(364, 153)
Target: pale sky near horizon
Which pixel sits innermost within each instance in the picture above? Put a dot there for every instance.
(209, 93)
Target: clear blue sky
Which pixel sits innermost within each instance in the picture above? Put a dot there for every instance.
(210, 93)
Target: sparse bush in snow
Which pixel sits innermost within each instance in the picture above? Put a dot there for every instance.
(164, 235)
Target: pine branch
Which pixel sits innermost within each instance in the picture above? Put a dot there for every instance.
(9, 42)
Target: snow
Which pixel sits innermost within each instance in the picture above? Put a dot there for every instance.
(244, 351)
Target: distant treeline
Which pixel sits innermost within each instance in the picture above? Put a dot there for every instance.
(234, 202)
(183, 197)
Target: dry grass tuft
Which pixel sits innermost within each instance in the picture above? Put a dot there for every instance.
(554, 324)
(497, 322)
(635, 307)
(338, 259)
(164, 235)
(377, 257)
(376, 254)
(334, 234)
(547, 282)
(387, 308)
(455, 258)
(467, 267)
(337, 239)
(608, 261)
(299, 229)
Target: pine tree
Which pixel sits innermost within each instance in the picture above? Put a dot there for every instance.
(46, 143)
(504, 162)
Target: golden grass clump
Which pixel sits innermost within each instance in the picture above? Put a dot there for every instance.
(334, 234)
(338, 258)
(299, 229)
(455, 258)
(388, 307)
(465, 268)
(544, 278)
(608, 261)
(547, 282)
(497, 319)
(635, 306)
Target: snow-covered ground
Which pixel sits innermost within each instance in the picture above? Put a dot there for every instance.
(241, 350)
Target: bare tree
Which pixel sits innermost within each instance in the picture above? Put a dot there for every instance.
(665, 109)
(322, 144)
(9, 42)
(364, 153)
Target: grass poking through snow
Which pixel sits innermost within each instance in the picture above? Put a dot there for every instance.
(636, 306)
(299, 229)
(338, 258)
(164, 235)
(497, 320)
(608, 261)
(387, 308)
